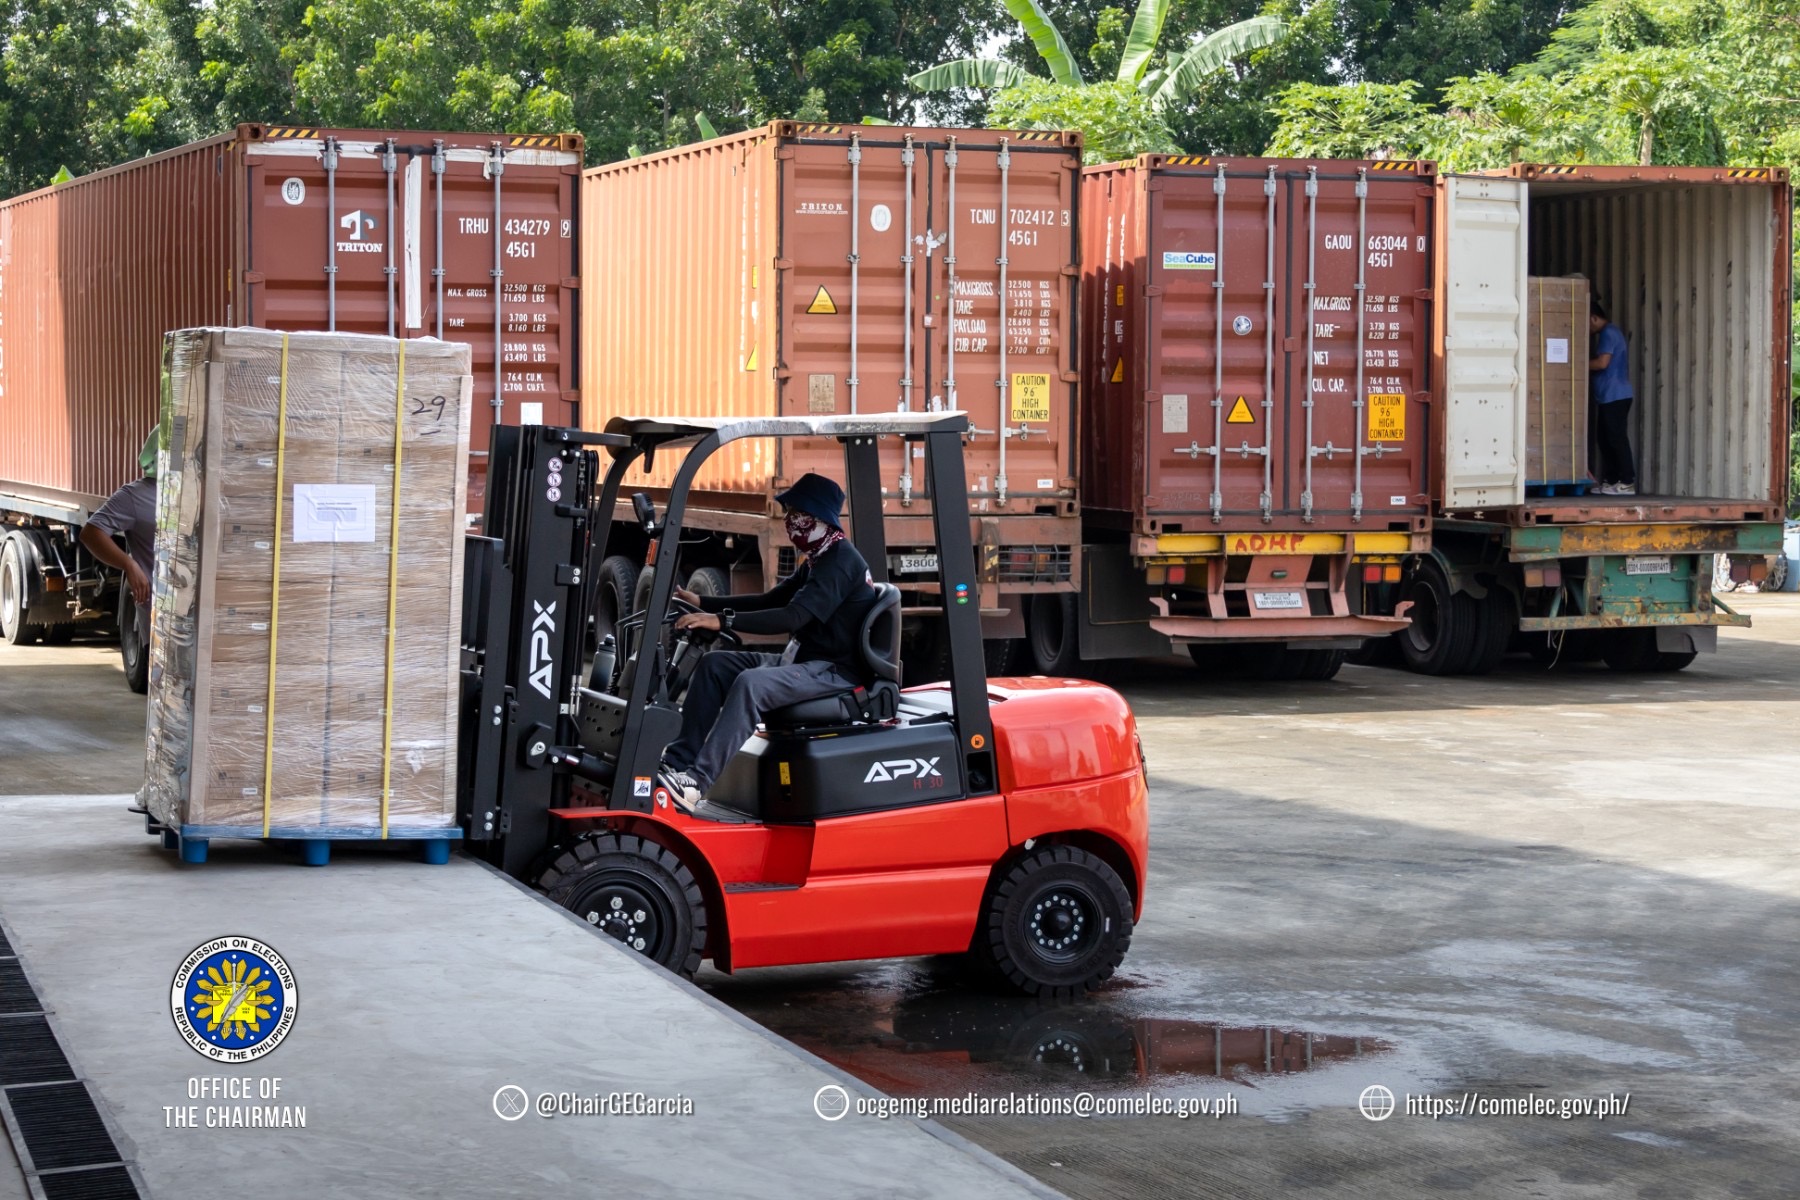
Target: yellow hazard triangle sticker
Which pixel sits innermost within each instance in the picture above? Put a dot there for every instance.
(1118, 375)
(821, 302)
(750, 363)
(1240, 414)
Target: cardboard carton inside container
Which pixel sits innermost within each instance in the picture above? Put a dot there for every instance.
(1556, 381)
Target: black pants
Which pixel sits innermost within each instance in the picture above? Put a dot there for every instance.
(1611, 432)
(728, 694)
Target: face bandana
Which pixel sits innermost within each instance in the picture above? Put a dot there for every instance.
(810, 535)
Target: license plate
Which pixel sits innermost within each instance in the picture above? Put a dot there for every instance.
(917, 564)
(1648, 564)
(1278, 599)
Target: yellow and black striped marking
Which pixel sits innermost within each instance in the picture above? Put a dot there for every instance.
(1186, 160)
(535, 142)
(1747, 173)
(1040, 137)
(1394, 164)
(290, 132)
(818, 129)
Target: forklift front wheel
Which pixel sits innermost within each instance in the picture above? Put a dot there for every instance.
(1057, 925)
(636, 891)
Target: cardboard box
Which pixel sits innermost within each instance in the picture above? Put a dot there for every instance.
(242, 644)
(1556, 381)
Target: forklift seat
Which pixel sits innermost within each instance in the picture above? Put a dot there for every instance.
(880, 701)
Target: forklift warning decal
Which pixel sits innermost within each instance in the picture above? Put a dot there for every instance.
(1387, 417)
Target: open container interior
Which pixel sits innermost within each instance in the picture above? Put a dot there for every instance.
(1696, 276)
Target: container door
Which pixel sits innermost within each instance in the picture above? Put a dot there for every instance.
(1482, 285)
(1212, 262)
(1358, 283)
(419, 239)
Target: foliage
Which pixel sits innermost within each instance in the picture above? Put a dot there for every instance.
(1359, 120)
(1124, 116)
(1116, 119)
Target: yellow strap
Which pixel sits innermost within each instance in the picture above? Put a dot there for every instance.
(275, 592)
(1577, 376)
(1543, 390)
(387, 703)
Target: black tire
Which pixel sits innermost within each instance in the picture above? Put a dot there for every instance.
(134, 655)
(1004, 656)
(1052, 641)
(1496, 620)
(17, 563)
(640, 893)
(1377, 652)
(709, 581)
(1441, 638)
(1635, 650)
(613, 595)
(59, 634)
(640, 591)
(1071, 949)
(1318, 666)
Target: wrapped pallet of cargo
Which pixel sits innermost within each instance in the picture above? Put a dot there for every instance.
(1255, 424)
(1685, 351)
(304, 672)
(815, 269)
(462, 237)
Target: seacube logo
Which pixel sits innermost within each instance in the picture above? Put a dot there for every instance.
(902, 768)
(542, 626)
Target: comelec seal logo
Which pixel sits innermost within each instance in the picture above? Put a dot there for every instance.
(234, 999)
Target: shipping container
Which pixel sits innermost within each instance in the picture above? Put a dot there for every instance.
(1693, 265)
(444, 235)
(806, 269)
(1256, 417)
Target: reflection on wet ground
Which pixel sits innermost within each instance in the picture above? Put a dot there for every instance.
(921, 1030)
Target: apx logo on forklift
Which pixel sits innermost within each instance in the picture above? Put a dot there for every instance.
(900, 768)
(542, 626)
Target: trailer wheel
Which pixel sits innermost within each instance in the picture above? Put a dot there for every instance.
(133, 654)
(612, 596)
(638, 892)
(708, 581)
(1058, 924)
(1635, 650)
(1495, 620)
(1003, 656)
(1441, 638)
(1317, 666)
(16, 565)
(1052, 641)
(1381, 651)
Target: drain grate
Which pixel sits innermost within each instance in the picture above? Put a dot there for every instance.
(101, 1183)
(61, 1127)
(16, 995)
(29, 1053)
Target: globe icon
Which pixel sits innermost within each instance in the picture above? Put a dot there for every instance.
(1376, 1102)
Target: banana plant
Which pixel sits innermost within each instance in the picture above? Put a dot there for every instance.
(1173, 81)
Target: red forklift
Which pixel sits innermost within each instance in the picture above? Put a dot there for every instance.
(1002, 819)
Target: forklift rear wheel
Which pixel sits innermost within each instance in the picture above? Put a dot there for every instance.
(640, 893)
(15, 593)
(1057, 925)
(1635, 650)
(612, 601)
(132, 651)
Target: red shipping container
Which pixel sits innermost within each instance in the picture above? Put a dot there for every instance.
(444, 235)
(1256, 337)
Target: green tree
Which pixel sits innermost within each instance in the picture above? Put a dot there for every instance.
(1360, 120)
(1493, 120)
(1116, 119)
(1229, 112)
(1645, 87)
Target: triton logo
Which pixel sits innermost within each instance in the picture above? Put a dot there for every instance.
(542, 626)
(355, 225)
(900, 768)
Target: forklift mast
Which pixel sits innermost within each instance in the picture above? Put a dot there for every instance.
(526, 597)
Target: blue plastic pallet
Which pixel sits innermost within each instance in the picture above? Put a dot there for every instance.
(192, 841)
(1558, 487)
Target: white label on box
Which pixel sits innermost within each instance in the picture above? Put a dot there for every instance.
(334, 512)
(1174, 414)
(531, 412)
(1046, 485)
(1556, 350)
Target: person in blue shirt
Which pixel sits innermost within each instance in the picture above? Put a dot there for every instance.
(1611, 387)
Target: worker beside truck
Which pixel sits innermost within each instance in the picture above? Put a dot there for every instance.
(130, 513)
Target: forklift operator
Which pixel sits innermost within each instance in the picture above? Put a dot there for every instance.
(820, 606)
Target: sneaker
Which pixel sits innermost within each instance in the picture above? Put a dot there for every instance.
(1625, 489)
(1608, 489)
(681, 789)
